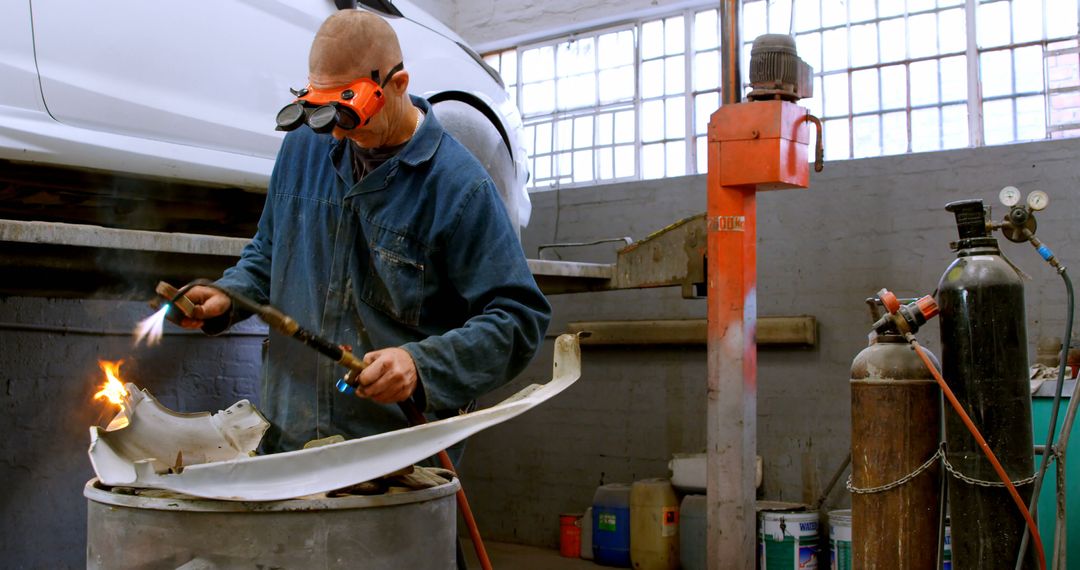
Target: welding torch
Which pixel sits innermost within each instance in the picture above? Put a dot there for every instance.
(288, 326)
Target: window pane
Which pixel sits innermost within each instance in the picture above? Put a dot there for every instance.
(564, 166)
(605, 124)
(833, 12)
(704, 106)
(861, 10)
(538, 97)
(576, 91)
(919, 5)
(779, 16)
(652, 39)
(616, 49)
(617, 84)
(996, 73)
(864, 93)
(1060, 18)
(922, 30)
(836, 54)
(992, 26)
(529, 139)
(836, 95)
(952, 36)
(1029, 69)
(924, 84)
(583, 166)
(836, 140)
(867, 136)
(564, 135)
(893, 40)
(652, 161)
(954, 126)
(674, 75)
(583, 132)
(702, 144)
(676, 158)
(542, 168)
(893, 87)
(652, 78)
(807, 14)
(753, 16)
(706, 30)
(888, 8)
(575, 57)
(706, 70)
(894, 133)
(675, 110)
(864, 45)
(625, 161)
(925, 130)
(537, 64)
(543, 138)
(813, 104)
(998, 121)
(1063, 70)
(674, 35)
(809, 48)
(624, 127)
(1027, 20)
(1030, 118)
(954, 78)
(605, 163)
(652, 120)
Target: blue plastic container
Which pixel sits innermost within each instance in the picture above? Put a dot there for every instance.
(611, 525)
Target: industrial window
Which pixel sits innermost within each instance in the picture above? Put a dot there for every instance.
(633, 101)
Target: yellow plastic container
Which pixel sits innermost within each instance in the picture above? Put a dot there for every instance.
(654, 525)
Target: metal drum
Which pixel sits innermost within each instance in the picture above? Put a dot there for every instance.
(160, 529)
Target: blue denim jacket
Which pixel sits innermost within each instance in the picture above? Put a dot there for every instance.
(420, 254)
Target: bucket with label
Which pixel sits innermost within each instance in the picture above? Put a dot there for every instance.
(611, 525)
(840, 539)
(654, 525)
(570, 535)
(947, 555)
(788, 541)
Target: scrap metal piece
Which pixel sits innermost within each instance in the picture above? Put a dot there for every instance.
(321, 469)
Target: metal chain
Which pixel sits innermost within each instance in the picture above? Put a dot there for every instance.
(940, 453)
(888, 486)
(971, 481)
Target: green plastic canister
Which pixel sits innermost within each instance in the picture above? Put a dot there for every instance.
(654, 525)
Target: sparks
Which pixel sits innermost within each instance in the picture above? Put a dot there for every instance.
(150, 328)
(113, 390)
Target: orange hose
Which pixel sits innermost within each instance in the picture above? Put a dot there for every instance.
(986, 450)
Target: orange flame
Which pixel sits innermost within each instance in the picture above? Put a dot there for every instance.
(113, 389)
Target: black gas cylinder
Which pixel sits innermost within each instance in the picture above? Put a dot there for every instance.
(984, 360)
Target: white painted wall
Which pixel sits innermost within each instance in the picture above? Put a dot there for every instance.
(489, 24)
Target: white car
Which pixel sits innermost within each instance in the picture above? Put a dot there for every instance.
(189, 90)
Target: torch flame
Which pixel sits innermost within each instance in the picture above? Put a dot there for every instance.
(150, 328)
(113, 390)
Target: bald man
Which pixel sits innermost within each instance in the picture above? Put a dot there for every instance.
(387, 236)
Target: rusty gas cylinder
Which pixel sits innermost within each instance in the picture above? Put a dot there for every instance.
(895, 428)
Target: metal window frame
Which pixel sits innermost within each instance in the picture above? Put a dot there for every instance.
(972, 52)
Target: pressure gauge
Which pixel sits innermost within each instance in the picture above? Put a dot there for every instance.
(1009, 196)
(1038, 200)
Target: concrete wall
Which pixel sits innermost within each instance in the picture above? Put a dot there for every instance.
(861, 226)
(49, 376)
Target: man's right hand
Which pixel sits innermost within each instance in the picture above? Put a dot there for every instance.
(209, 303)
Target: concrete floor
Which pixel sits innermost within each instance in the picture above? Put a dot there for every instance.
(506, 556)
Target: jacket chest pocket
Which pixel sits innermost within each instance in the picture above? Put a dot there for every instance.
(394, 284)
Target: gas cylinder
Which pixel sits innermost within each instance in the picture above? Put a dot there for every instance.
(984, 360)
(895, 429)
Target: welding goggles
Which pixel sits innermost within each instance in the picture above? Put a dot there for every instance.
(345, 108)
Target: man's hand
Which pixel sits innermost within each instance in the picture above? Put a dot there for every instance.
(209, 303)
(390, 376)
